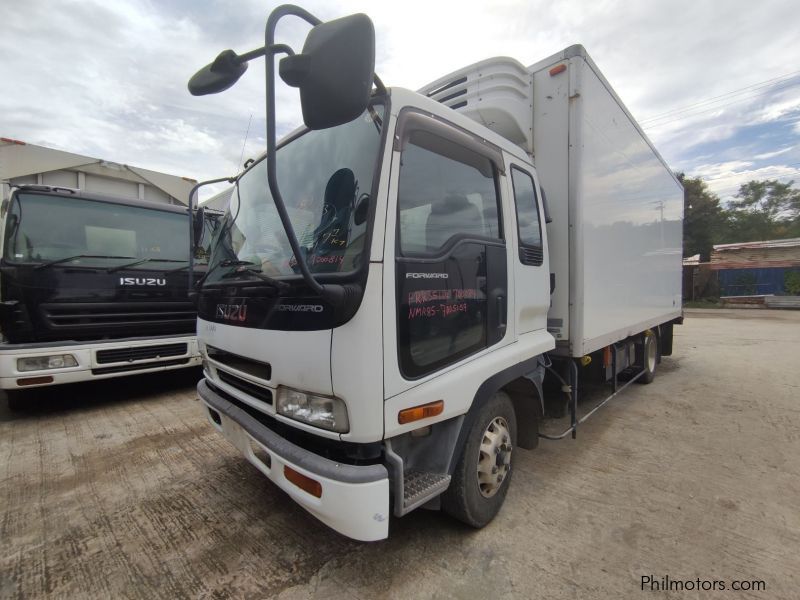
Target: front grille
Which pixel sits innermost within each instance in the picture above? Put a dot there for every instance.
(110, 317)
(249, 388)
(252, 367)
(140, 366)
(140, 353)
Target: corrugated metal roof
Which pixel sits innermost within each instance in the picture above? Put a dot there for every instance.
(19, 159)
(787, 243)
(757, 255)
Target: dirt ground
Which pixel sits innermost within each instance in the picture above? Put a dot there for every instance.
(122, 490)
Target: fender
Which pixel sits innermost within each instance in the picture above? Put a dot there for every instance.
(524, 408)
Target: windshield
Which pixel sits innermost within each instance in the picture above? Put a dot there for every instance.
(44, 228)
(323, 177)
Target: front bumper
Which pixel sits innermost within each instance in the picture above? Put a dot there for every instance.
(354, 499)
(89, 366)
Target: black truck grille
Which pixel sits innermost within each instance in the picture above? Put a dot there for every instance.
(140, 353)
(252, 367)
(110, 318)
(256, 391)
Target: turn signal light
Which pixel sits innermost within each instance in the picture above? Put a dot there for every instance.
(34, 380)
(409, 415)
(303, 482)
(558, 69)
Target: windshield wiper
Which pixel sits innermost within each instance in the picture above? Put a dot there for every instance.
(243, 268)
(184, 267)
(223, 263)
(44, 265)
(141, 262)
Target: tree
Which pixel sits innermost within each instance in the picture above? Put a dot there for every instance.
(704, 220)
(764, 210)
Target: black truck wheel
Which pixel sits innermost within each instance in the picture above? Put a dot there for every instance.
(649, 356)
(482, 476)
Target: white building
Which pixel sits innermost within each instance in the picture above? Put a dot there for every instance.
(22, 163)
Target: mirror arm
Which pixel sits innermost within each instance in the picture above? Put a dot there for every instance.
(379, 87)
(332, 293)
(248, 56)
(192, 193)
(282, 49)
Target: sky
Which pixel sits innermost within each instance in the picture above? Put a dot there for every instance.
(715, 85)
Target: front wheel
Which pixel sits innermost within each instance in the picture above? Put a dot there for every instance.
(482, 476)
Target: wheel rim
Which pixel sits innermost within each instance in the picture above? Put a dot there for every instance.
(494, 459)
(651, 354)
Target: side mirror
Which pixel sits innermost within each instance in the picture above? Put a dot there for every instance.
(335, 71)
(362, 208)
(226, 70)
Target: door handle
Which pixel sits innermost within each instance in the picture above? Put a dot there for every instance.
(501, 312)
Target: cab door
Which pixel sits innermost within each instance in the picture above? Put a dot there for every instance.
(530, 260)
(450, 283)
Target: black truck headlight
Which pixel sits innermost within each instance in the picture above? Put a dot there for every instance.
(41, 363)
(319, 411)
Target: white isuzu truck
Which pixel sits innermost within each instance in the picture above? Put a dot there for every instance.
(404, 288)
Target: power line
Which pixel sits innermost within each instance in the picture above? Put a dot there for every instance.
(760, 84)
(766, 82)
(789, 84)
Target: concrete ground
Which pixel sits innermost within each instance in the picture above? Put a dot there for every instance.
(121, 490)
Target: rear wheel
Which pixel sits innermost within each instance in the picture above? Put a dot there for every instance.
(482, 476)
(649, 356)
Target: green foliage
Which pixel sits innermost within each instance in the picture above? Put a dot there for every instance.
(704, 220)
(791, 283)
(775, 200)
(761, 210)
(764, 210)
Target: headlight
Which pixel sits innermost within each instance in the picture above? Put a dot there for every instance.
(40, 363)
(319, 411)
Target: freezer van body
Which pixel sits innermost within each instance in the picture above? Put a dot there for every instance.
(617, 210)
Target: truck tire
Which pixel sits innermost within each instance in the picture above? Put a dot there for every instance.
(481, 478)
(649, 356)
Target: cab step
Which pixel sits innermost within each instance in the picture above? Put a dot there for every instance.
(420, 487)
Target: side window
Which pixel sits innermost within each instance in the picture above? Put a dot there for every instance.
(444, 191)
(451, 263)
(530, 231)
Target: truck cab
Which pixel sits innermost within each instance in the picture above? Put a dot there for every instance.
(382, 303)
(448, 285)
